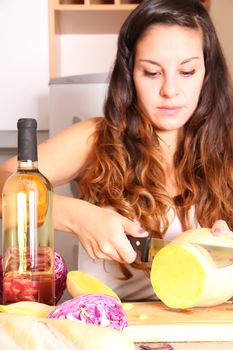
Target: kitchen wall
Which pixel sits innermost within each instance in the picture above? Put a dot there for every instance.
(24, 64)
(87, 57)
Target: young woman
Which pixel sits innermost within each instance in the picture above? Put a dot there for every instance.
(160, 160)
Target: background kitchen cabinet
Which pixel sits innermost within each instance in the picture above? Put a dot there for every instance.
(90, 26)
(83, 34)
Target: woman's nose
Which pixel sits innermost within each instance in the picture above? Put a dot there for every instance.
(169, 87)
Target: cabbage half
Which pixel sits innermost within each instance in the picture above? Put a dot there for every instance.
(98, 309)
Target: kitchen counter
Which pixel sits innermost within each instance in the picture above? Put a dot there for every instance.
(152, 323)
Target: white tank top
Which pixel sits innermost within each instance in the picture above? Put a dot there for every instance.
(138, 287)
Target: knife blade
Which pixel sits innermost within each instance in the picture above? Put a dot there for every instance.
(149, 247)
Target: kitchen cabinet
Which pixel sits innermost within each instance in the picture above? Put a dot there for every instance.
(74, 17)
(84, 17)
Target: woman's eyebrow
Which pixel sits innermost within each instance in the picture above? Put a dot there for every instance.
(151, 62)
(158, 64)
(190, 59)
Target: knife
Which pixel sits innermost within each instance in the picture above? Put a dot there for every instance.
(149, 247)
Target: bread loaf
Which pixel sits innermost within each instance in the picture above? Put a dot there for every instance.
(19, 332)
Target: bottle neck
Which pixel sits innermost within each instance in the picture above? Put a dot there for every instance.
(27, 165)
(27, 141)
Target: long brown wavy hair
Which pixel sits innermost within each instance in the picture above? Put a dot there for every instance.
(125, 170)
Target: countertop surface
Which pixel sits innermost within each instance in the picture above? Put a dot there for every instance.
(153, 322)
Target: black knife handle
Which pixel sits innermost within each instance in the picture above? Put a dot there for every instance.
(141, 244)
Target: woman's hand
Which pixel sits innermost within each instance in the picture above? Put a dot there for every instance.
(220, 227)
(101, 231)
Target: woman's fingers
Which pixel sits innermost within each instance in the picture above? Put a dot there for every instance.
(220, 227)
(90, 250)
(117, 247)
(133, 228)
(103, 234)
(114, 246)
(124, 249)
(95, 252)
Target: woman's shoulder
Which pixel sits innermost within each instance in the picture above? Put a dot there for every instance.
(81, 131)
(76, 138)
(70, 147)
(87, 126)
(90, 124)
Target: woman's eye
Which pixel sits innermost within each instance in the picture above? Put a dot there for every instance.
(188, 73)
(151, 74)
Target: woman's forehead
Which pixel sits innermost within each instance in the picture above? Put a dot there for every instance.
(164, 40)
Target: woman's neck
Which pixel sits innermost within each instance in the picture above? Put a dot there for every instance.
(169, 142)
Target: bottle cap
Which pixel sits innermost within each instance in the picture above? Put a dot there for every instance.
(27, 123)
(27, 139)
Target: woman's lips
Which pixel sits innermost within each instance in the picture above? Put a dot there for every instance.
(169, 110)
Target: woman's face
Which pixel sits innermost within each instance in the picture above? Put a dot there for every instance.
(169, 70)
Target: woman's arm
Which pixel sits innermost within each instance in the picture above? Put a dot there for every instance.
(61, 156)
(102, 232)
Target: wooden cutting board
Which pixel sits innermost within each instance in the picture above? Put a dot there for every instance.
(154, 322)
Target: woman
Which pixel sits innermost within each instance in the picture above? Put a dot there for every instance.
(160, 161)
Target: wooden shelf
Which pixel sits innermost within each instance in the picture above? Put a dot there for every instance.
(85, 16)
(95, 7)
(96, 2)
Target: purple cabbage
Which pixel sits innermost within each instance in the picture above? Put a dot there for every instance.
(98, 309)
(60, 276)
(1, 281)
(61, 270)
(163, 347)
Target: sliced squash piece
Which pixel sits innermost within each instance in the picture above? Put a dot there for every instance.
(80, 283)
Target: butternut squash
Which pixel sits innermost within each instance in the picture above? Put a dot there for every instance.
(184, 274)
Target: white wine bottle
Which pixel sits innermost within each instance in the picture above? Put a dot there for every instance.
(27, 228)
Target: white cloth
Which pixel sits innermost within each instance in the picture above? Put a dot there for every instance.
(138, 287)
